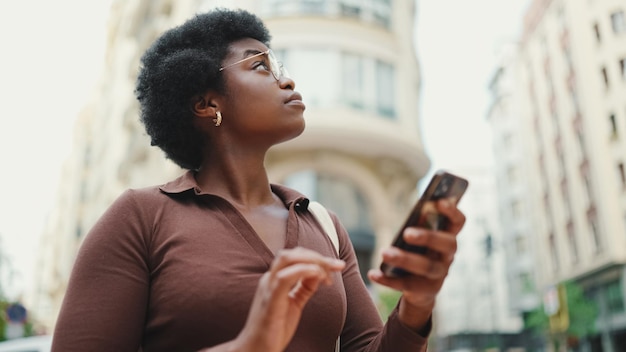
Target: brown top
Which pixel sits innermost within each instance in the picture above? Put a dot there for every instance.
(173, 269)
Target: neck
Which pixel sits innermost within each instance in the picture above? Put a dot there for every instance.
(239, 177)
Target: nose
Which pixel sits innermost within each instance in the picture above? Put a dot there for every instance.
(286, 83)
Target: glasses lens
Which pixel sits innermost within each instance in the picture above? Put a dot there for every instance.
(276, 66)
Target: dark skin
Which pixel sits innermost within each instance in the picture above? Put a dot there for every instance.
(258, 112)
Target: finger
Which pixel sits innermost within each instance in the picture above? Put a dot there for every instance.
(431, 267)
(440, 242)
(455, 217)
(419, 286)
(299, 281)
(300, 255)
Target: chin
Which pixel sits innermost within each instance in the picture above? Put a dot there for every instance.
(296, 129)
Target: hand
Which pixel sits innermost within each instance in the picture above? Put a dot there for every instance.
(283, 291)
(420, 290)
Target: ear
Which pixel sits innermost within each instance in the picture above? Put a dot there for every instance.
(203, 105)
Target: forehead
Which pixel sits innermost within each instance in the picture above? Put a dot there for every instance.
(243, 47)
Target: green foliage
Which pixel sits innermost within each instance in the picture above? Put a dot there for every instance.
(582, 312)
(387, 301)
(582, 315)
(537, 321)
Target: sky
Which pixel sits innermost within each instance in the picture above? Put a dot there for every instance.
(52, 53)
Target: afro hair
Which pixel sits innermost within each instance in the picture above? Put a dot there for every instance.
(183, 62)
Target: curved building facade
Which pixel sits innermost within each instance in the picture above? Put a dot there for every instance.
(361, 154)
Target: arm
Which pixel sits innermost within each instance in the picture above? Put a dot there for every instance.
(364, 329)
(105, 302)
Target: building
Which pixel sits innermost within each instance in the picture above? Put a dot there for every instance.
(559, 121)
(472, 309)
(354, 63)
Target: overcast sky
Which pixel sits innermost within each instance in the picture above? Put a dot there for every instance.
(52, 51)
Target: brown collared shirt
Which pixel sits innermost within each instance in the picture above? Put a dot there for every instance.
(170, 268)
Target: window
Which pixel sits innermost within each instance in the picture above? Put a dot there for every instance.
(512, 176)
(622, 174)
(349, 203)
(526, 283)
(595, 230)
(622, 68)
(618, 22)
(312, 6)
(554, 254)
(605, 77)
(520, 245)
(614, 297)
(384, 89)
(352, 67)
(596, 30)
(573, 245)
(516, 209)
(349, 8)
(371, 11)
(613, 124)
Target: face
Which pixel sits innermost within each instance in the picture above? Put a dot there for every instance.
(257, 106)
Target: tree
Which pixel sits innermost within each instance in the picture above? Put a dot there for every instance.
(581, 314)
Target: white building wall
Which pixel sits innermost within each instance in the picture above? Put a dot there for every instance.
(383, 157)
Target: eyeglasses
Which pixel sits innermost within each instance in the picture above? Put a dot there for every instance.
(276, 67)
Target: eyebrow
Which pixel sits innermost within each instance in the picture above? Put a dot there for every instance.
(251, 52)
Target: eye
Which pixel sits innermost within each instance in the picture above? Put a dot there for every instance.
(262, 65)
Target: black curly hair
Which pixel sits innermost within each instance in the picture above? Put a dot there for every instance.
(183, 62)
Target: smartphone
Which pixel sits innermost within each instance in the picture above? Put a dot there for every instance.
(424, 214)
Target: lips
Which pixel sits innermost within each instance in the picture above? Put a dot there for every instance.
(294, 97)
(295, 100)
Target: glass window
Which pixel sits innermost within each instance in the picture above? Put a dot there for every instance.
(618, 22)
(614, 298)
(350, 8)
(554, 254)
(596, 30)
(342, 197)
(613, 125)
(372, 11)
(385, 89)
(526, 283)
(520, 245)
(352, 71)
(573, 245)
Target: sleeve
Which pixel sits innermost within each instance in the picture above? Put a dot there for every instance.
(105, 303)
(364, 330)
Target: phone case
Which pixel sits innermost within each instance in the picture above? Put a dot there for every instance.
(424, 214)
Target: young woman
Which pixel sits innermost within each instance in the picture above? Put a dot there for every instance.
(219, 259)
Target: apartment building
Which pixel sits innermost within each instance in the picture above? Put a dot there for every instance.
(354, 63)
(559, 122)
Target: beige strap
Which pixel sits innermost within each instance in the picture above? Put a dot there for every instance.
(322, 216)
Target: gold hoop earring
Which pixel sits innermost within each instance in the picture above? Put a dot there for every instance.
(218, 119)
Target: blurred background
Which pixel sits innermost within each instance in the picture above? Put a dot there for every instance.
(525, 98)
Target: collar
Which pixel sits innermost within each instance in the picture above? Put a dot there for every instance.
(186, 183)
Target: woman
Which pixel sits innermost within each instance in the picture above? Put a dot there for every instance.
(220, 259)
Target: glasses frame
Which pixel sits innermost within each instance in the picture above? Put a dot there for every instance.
(276, 67)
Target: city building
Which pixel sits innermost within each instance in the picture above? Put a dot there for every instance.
(559, 122)
(472, 309)
(354, 63)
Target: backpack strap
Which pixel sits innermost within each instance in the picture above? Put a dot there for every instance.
(322, 216)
